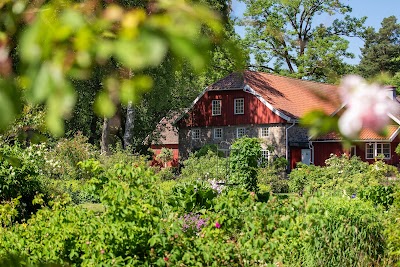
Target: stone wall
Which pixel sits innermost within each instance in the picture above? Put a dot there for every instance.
(276, 138)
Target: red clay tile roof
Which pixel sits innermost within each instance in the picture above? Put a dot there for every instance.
(292, 97)
(365, 135)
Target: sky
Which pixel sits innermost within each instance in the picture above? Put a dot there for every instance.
(375, 10)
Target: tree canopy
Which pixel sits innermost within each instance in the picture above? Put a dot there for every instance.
(381, 52)
(288, 37)
(46, 45)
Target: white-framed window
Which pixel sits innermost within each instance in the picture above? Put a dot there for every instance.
(195, 134)
(240, 132)
(265, 157)
(373, 150)
(265, 154)
(264, 132)
(217, 133)
(239, 106)
(216, 107)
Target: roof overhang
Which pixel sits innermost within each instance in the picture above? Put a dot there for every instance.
(250, 90)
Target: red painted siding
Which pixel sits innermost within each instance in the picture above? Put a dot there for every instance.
(295, 156)
(255, 112)
(323, 150)
(175, 151)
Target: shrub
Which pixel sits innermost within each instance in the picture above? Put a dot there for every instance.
(19, 177)
(206, 167)
(244, 158)
(68, 152)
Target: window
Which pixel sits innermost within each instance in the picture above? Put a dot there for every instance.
(265, 157)
(265, 154)
(240, 132)
(216, 107)
(264, 132)
(373, 150)
(195, 134)
(239, 106)
(218, 133)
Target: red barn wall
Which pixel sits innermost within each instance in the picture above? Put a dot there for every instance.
(175, 151)
(255, 112)
(323, 151)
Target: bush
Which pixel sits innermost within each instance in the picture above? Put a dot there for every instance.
(206, 167)
(19, 177)
(341, 176)
(68, 152)
(244, 159)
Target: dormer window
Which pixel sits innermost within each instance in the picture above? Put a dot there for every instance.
(216, 107)
(239, 106)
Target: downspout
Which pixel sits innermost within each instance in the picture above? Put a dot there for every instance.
(287, 144)
(311, 146)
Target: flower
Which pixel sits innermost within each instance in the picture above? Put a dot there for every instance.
(217, 225)
(367, 106)
(166, 258)
(102, 251)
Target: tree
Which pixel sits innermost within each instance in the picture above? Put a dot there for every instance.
(46, 45)
(284, 36)
(381, 52)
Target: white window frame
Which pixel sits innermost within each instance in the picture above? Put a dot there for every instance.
(216, 106)
(266, 154)
(239, 130)
(216, 134)
(263, 134)
(196, 134)
(238, 106)
(375, 147)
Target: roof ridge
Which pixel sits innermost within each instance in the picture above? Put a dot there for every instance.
(288, 77)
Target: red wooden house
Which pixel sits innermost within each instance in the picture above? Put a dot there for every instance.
(165, 136)
(369, 145)
(256, 104)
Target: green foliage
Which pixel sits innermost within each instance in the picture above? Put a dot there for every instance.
(192, 197)
(207, 167)
(44, 60)
(341, 232)
(379, 195)
(165, 155)
(166, 174)
(381, 49)
(285, 37)
(19, 178)
(342, 175)
(244, 158)
(204, 150)
(67, 153)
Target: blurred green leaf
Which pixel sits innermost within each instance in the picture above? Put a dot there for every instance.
(104, 106)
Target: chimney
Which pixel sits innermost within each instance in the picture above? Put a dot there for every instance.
(391, 91)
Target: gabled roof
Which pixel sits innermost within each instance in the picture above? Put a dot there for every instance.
(365, 135)
(166, 133)
(289, 98)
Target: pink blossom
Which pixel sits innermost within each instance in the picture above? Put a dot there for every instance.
(367, 106)
(217, 225)
(165, 258)
(102, 251)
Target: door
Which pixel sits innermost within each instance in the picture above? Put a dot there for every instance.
(306, 156)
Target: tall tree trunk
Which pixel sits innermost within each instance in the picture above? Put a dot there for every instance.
(129, 124)
(105, 137)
